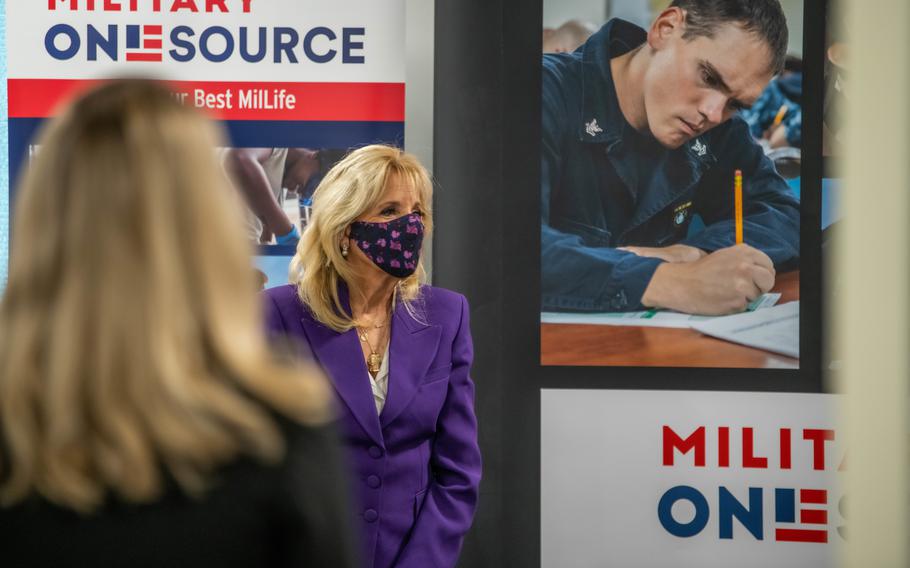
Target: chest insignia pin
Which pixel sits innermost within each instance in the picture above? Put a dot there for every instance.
(592, 128)
(681, 213)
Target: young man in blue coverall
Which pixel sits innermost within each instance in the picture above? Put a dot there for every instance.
(639, 134)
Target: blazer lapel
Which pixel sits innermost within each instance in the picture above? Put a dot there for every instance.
(412, 349)
(340, 355)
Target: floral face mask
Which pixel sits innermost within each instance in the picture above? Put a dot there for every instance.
(393, 246)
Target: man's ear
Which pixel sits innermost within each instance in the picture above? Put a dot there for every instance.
(670, 23)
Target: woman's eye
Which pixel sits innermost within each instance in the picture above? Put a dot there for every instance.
(417, 212)
(387, 211)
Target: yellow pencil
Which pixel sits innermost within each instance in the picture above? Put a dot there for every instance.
(738, 204)
(781, 112)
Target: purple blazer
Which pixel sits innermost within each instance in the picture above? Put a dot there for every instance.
(416, 466)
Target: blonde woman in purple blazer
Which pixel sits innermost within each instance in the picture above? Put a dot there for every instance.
(398, 352)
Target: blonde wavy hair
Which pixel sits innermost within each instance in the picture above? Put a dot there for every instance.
(353, 186)
(131, 340)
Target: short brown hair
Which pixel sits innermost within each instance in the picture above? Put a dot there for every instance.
(765, 18)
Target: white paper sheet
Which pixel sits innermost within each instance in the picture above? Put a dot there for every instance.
(773, 329)
(650, 318)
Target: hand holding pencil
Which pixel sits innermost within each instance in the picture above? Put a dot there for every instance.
(723, 282)
(719, 283)
(776, 134)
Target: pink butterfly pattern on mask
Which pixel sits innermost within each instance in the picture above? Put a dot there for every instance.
(393, 246)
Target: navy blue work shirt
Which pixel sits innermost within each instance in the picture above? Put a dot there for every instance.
(604, 185)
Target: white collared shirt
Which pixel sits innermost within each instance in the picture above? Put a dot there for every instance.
(380, 384)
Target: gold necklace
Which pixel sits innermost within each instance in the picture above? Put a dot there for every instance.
(374, 361)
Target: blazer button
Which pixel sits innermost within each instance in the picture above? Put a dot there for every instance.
(370, 515)
(375, 452)
(373, 481)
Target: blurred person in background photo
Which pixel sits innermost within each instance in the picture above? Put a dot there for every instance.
(143, 419)
(567, 37)
(268, 177)
(837, 91)
(776, 118)
(398, 352)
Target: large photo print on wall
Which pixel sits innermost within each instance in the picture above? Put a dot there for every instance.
(670, 170)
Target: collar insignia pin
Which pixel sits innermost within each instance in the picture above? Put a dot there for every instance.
(681, 213)
(592, 128)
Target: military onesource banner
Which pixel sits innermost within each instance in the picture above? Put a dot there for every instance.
(295, 82)
(691, 479)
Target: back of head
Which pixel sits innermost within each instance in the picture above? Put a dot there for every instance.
(765, 18)
(130, 339)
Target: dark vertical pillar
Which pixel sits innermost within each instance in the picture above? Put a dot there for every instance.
(486, 162)
(468, 210)
(522, 25)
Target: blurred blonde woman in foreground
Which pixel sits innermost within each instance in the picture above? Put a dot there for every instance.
(143, 421)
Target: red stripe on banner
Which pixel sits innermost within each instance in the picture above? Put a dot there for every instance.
(813, 516)
(30, 98)
(152, 30)
(798, 535)
(785, 448)
(143, 57)
(723, 446)
(819, 496)
(151, 43)
(364, 102)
